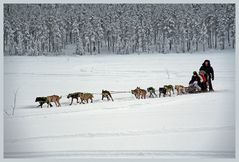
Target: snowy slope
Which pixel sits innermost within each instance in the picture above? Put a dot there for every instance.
(196, 125)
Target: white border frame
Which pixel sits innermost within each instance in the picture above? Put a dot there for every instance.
(117, 1)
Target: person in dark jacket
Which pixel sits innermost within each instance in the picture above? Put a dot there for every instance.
(196, 81)
(206, 66)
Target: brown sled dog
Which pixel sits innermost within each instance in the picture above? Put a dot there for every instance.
(180, 89)
(106, 94)
(55, 99)
(86, 97)
(135, 93)
(139, 93)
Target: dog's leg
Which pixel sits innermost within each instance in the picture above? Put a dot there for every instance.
(184, 91)
(71, 100)
(40, 105)
(111, 98)
(91, 100)
(48, 103)
(59, 104)
(155, 94)
(108, 98)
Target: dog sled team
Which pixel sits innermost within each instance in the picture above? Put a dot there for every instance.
(200, 82)
(84, 98)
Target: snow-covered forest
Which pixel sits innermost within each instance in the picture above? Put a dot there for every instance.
(46, 29)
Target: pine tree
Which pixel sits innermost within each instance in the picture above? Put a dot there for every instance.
(117, 28)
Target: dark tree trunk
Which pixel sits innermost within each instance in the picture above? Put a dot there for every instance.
(228, 36)
(215, 40)
(70, 37)
(196, 45)
(170, 45)
(98, 44)
(113, 44)
(163, 45)
(90, 45)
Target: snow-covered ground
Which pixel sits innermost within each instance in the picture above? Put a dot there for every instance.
(185, 126)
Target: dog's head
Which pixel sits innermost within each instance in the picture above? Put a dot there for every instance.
(105, 91)
(150, 88)
(37, 99)
(69, 95)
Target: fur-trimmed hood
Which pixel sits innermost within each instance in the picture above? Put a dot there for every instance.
(209, 64)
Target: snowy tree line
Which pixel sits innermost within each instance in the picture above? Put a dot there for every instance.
(37, 29)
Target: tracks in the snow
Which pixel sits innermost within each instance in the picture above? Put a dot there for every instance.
(120, 134)
(124, 102)
(122, 154)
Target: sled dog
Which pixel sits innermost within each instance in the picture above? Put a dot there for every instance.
(180, 89)
(42, 100)
(151, 91)
(169, 88)
(55, 99)
(86, 97)
(106, 94)
(162, 90)
(74, 95)
(139, 93)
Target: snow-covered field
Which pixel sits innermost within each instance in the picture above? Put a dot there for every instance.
(185, 126)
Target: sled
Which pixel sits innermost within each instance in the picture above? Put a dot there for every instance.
(192, 90)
